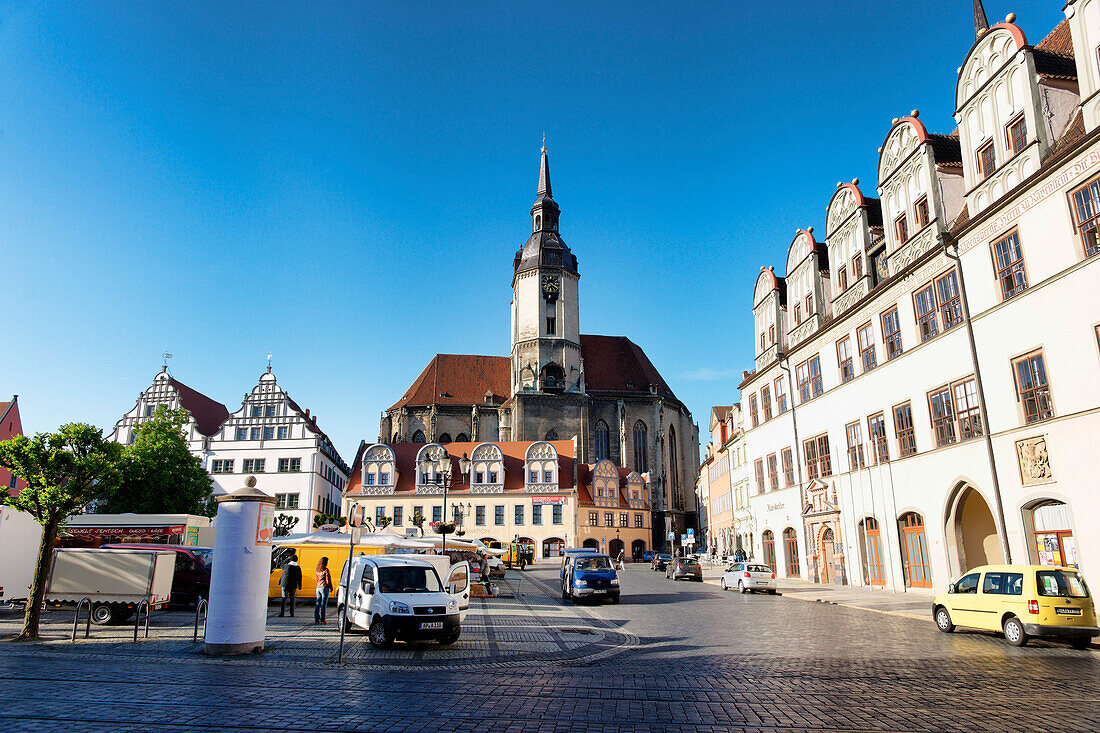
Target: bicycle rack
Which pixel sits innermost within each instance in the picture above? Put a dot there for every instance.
(201, 607)
(76, 618)
(137, 617)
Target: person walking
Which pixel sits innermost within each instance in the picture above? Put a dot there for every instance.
(291, 582)
(324, 586)
(484, 569)
(622, 560)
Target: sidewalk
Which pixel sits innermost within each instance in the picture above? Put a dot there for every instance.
(911, 604)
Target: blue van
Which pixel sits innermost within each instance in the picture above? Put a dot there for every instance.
(590, 575)
(572, 552)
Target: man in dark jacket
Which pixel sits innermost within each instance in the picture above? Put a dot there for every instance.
(291, 582)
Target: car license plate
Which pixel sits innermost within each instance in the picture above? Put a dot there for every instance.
(599, 591)
(1068, 611)
(429, 625)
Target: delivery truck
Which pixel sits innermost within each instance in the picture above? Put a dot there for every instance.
(20, 537)
(115, 581)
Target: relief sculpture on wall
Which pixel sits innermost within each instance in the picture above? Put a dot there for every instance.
(1034, 461)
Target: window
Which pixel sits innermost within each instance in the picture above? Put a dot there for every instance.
(148, 411)
(269, 433)
(967, 411)
(844, 359)
(857, 267)
(479, 516)
(780, 397)
(947, 290)
(968, 584)
(255, 434)
(519, 514)
(809, 305)
(536, 514)
(609, 519)
(754, 414)
(818, 462)
(383, 478)
(289, 501)
(437, 514)
(639, 521)
(379, 513)
(855, 446)
(253, 465)
(556, 514)
(842, 279)
(790, 544)
(766, 401)
(762, 347)
(551, 325)
(498, 515)
(866, 336)
(921, 209)
(903, 428)
(269, 411)
(1086, 215)
(242, 434)
(759, 465)
(217, 466)
(1017, 134)
(901, 228)
(891, 333)
(398, 516)
(13, 481)
(943, 416)
(624, 519)
(925, 304)
(797, 313)
(1008, 259)
(773, 472)
(602, 449)
(284, 432)
(987, 160)
(1032, 389)
(876, 431)
(290, 465)
(547, 476)
(641, 442)
(771, 334)
(533, 476)
(815, 376)
(257, 411)
(788, 467)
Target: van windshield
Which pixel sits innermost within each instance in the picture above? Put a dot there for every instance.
(1061, 583)
(206, 557)
(593, 563)
(408, 580)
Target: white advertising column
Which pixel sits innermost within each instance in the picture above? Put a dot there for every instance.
(237, 619)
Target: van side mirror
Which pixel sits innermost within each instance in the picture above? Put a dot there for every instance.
(368, 588)
(951, 588)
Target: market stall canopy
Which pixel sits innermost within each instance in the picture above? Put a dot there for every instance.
(376, 539)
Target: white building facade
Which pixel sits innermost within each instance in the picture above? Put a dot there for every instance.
(928, 377)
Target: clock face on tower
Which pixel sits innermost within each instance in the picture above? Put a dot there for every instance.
(881, 269)
(551, 286)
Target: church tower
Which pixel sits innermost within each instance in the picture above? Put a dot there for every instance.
(546, 351)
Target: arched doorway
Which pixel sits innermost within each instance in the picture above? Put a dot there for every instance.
(592, 543)
(972, 531)
(615, 547)
(552, 546)
(1052, 542)
(768, 540)
(790, 547)
(637, 549)
(914, 551)
(870, 550)
(828, 555)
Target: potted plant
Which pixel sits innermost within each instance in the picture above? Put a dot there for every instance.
(443, 527)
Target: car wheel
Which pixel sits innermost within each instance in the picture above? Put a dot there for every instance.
(943, 620)
(347, 621)
(378, 636)
(771, 591)
(449, 638)
(1014, 632)
(103, 614)
(614, 599)
(724, 586)
(741, 587)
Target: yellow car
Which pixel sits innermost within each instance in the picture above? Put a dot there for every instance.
(1022, 601)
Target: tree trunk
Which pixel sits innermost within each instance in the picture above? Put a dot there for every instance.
(33, 612)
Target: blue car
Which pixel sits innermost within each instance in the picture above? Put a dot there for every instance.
(647, 556)
(590, 576)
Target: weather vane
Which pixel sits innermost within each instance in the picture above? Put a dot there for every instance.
(166, 356)
(269, 362)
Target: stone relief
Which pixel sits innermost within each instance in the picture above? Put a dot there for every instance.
(1034, 461)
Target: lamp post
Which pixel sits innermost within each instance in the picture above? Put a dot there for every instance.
(442, 477)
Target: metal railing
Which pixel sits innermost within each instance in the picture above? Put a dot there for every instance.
(137, 617)
(76, 618)
(204, 608)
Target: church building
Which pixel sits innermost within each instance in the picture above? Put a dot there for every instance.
(559, 384)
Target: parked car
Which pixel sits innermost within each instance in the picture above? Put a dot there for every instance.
(660, 561)
(647, 556)
(192, 578)
(573, 552)
(589, 575)
(1022, 601)
(747, 577)
(684, 568)
(402, 597)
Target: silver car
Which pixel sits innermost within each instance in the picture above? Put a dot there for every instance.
(747, 577)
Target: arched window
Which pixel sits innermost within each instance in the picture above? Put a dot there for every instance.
(445, 438)
(641, 443)
(418, 436)
(1053, 543)
(602, 448)
(462, 438)
(538, 222)
(552, 379)
(551, 434)
(914, 551)
(790, 547)
(674, 468)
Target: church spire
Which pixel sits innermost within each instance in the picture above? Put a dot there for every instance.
(544, 212)
(981, 25)
(544, 173)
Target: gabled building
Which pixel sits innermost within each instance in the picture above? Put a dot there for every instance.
(206, 414)
(10, 426)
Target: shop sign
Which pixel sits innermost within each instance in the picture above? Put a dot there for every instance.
(123, 531)
(548, 500)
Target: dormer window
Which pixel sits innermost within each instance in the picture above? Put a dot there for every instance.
(1017, 134)
(921, 209)
(987, 160)
(901, 228)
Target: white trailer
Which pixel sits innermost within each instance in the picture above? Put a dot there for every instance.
(115, 581)
(20, 536)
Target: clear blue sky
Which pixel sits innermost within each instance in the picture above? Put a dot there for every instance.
(345, 185)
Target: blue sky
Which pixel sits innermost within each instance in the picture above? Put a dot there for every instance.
(344, 185)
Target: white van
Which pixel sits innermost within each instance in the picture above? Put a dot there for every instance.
(401, 597)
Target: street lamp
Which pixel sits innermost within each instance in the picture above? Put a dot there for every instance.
(442, 477)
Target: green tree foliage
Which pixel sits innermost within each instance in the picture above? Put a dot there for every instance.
(284, 523)
(384, 522)
(63, 472)
(159, 475)
(418, 522)
(323, 519)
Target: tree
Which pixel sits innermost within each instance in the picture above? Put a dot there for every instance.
(159, 475)
(384, 522)
(283, 524)
(418, 522)
(63, 472)
(319, 520)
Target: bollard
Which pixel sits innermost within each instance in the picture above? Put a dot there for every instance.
(137, 617)
(200, 607)
(76, 618)
(236, 619)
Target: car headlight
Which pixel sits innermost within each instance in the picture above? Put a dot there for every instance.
(579, 583)
(398, 607)
(614, 581)
(452, 605)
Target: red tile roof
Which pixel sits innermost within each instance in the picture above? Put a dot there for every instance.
(460, 379)
(209, 414)
(617, 364)
(1058, 41)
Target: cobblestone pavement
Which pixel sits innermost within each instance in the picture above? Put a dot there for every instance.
(671, 657)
